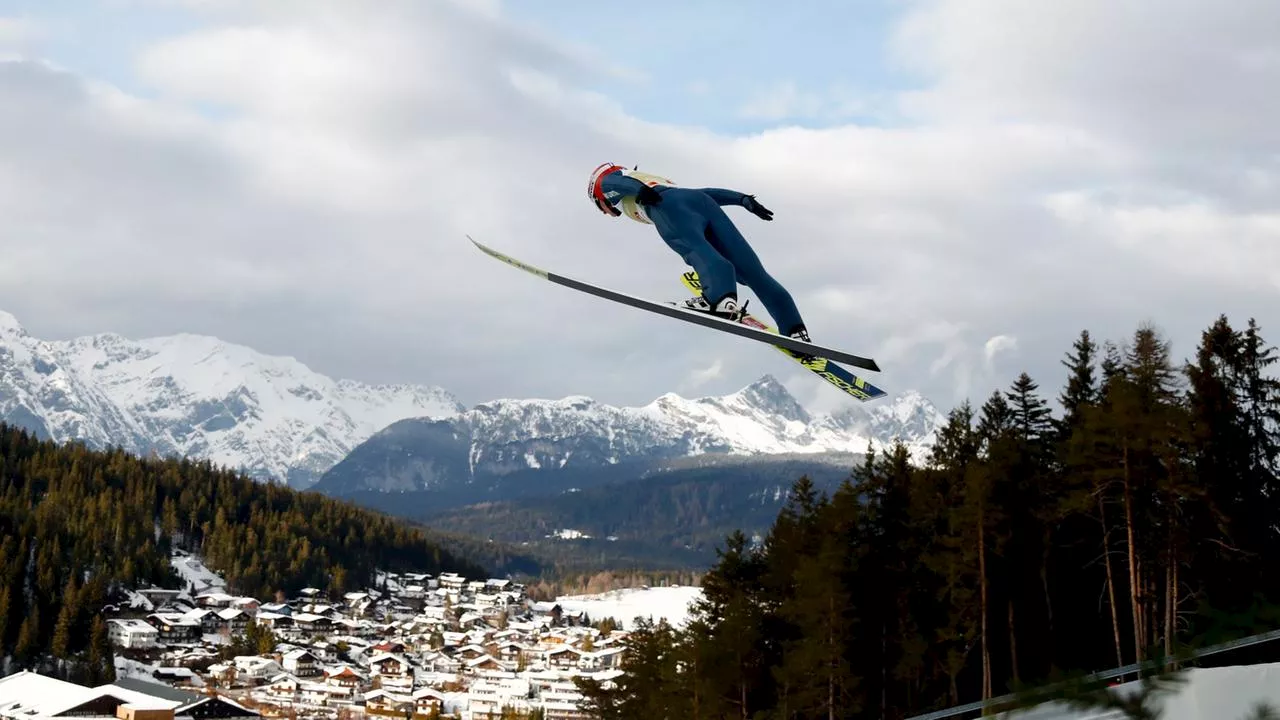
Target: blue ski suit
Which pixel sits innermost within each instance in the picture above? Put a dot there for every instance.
(692, 223)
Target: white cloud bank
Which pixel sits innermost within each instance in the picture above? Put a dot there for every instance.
(299, 177)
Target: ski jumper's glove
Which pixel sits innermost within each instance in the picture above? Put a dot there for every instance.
(754, 207)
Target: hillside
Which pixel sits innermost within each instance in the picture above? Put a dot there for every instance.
(79, 524)
(670, 517)
(511, 448)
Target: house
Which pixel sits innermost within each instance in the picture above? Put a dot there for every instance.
(159, 596)
(563, 710)
(277, 608)
(389, 646)
(606, 658)
(389, 664)
(274, 620)
(386, 702)
(312, 623)
(428, 700)
(564, 657)
(345, 676)
(452, 581)
(174, 628)
(484, 662)
(207, 617)
(233, 620)
(513, 651)
(255, 667)
(39, 696)
(470, 652)
(325, 651)
(282, 687)
(214, 599)
(132, 634)
(300, 662)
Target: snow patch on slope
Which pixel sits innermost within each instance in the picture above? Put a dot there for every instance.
(672, 603)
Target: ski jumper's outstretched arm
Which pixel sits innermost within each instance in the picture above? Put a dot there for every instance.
(725, 197)
(733, 197)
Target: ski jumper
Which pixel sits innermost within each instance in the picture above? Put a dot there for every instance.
(692, 223)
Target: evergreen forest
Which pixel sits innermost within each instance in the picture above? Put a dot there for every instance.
(79, 526)
(1135, 520)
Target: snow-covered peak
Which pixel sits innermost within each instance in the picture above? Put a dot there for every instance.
(9, 326)
(275, 418)
(908, 416)
(199, 396)
(771, 396)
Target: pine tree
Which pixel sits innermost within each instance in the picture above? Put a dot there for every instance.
(1082, 384)
(951, 556)
(101, 658)
(28, 646)
(67, 616)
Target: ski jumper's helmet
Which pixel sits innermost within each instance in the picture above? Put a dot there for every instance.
(630, 207)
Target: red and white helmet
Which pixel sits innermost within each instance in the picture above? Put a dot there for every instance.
(628, 204)
(595, 192)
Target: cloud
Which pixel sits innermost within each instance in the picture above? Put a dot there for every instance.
(299, 177)
(785, 101)
(17, 33)
(996, 345)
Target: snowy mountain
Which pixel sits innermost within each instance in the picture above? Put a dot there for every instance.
(200, 397)
(503, 437)
(274, 418)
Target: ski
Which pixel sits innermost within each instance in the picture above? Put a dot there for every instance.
(842, 379)
(670, 309)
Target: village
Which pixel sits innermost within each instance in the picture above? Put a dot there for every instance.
(416, 646)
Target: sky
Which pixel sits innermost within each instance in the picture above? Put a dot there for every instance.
(959, 186)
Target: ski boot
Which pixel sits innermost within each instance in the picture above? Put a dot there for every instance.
(727, 308)
(801, 333)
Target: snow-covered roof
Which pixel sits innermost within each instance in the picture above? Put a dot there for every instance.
(132, 625)
(29, 693)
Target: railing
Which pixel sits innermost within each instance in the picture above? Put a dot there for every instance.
(1105, 675)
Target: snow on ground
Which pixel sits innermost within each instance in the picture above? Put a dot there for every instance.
(134, 669)
(137, 602)
(193, 571)
(628, 604)
(1224, 693)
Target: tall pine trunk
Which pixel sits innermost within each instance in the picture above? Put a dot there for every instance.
(1135, 587)
(1048, 598)
(832, 658)
(1111, 583)
(982, 584)
(1013, 641)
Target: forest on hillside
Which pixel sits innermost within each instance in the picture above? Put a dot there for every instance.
(671, 520)
(79, 525)
(1138, 521)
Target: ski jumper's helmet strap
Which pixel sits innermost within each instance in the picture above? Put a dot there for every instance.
(596, 193)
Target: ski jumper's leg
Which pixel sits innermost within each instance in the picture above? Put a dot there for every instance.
(683, 224)
(725, 237)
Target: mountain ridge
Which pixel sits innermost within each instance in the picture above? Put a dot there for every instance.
(274, 418)
(482, 447)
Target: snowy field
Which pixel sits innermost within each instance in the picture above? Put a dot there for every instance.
(626, 605)
(193, 571)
